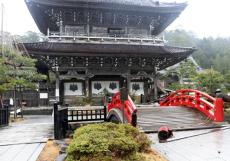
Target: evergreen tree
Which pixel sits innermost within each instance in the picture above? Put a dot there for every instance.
(209, 80)
(17, 70)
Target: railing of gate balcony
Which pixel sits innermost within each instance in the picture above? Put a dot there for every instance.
(124, 38)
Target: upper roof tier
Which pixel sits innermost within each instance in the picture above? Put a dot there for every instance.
(143, 14)
(139, 3)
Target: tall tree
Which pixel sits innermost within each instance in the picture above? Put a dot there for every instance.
(180, 38)
(211, 52)
(17, 70)
(185, 70)
(209, 80)
(30, 37)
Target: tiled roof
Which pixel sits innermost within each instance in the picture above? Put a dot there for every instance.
(144, 3)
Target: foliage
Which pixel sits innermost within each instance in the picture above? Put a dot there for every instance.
(17, 70)
(227, 81)
(177, 86)
(83, 101)
(209, 80)
(181, 38)
(107, 141)
(211, 53)
(30, 37)
(185, 71)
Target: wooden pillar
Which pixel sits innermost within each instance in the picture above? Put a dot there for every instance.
(128, 82)
(146, 86)
(87, 87)
(126, 31)
(155, 84)
(88, 29)
(61, 28)
(57, 90)
(155, 88)
(48, 32)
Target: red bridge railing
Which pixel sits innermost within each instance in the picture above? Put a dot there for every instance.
(129, 108)
(210, 106)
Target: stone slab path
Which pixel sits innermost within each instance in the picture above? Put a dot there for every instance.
(200, 145)
(23, 141)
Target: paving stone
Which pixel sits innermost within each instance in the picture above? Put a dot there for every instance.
(24, 141)
(201, 145)
(61, 157)
(63, 148)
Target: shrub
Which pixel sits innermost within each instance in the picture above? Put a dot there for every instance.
(107, 142)
(79, 101)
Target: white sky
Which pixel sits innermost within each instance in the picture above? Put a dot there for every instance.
(204, 17)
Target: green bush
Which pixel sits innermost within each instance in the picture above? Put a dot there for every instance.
(79, 101)
(107, 142)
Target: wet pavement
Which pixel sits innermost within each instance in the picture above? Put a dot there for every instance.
(198, 145)
(151, 118)
(24, 140)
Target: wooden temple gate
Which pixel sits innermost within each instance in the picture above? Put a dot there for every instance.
(91, 48)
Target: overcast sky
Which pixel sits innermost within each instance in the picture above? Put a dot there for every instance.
(204, 17)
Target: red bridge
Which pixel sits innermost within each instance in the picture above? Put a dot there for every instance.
(183, 109)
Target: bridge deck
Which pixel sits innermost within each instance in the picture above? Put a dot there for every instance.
(176, 118)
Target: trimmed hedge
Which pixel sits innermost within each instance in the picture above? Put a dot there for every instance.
(107, 142)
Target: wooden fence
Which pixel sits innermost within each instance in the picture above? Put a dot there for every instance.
(4, 116)
(63, 116)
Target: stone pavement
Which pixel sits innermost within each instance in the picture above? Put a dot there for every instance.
(200, 145)
(23, 141)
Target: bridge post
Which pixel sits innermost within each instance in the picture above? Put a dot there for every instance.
(219, 110)
(197, 99)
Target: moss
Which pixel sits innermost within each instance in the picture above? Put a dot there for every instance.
(107, 142)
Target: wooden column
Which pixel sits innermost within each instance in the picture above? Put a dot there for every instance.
(87, 87)
(87, 29)
(155, 84)
(128, 82)
(61, 28)
(155, 87)
(57, 89)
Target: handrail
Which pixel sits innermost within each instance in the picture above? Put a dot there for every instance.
(210, 106)
(107, 37)
(129, 107)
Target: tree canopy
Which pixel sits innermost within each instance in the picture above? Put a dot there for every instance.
(30, 37)
(17, 70)
(212, 54)
(209, 80)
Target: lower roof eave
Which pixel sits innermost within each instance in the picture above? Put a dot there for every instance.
(113, 49)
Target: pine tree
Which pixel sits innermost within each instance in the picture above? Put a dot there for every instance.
(17, 70)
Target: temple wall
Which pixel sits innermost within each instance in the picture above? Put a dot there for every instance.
(73, 92)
